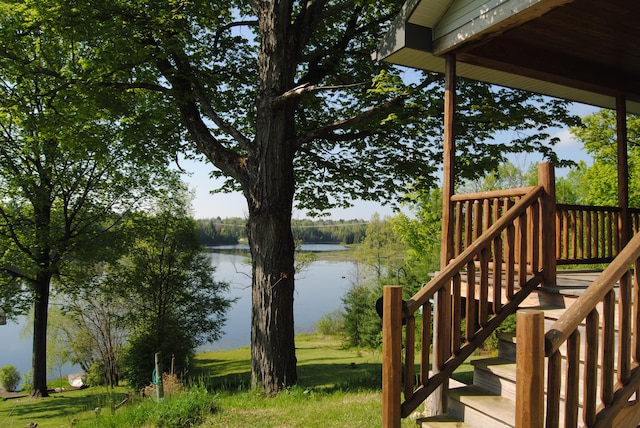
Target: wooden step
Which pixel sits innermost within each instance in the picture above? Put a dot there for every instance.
(490, 401)
(479, 409)
(441, 421)
(495, 375)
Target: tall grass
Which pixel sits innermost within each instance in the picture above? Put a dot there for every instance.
(186, 409)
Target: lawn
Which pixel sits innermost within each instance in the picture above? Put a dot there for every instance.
(337, 388)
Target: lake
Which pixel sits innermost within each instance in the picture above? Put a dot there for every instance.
(319, 290)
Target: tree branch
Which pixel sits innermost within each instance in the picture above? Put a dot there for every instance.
(307, 88)
(182, 87)
(327, 131)
(208, 109)
(220, 30)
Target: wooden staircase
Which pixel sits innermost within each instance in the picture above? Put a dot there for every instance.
(491, 400)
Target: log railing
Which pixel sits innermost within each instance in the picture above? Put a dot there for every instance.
(590, 234)
(490, 263)
(475, 213)
(593, 376)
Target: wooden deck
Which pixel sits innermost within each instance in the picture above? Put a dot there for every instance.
(575, 279)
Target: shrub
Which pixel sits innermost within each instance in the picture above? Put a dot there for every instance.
(96, 374)
(9, 378)
(138, 359)
(508, 325)
(331, 324)
(362, 324)
(27, 380)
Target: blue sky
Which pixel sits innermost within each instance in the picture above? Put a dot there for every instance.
(207, 205)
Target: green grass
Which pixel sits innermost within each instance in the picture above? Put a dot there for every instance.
(337, 388)
(58, 410)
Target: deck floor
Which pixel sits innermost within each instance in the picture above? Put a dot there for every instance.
(576, 279)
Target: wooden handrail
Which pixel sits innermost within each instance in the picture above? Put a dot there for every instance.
(492, 194)
(457, 264)
(569, 321)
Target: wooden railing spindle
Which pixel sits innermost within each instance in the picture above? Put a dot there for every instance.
(497, 274)
(522, 250)
(588, 236)
(590, 405)
(554, 376)
(409, 357)
(624, 329)
(477, 219)
(610, 232)
(458, 228)
(608, 347)
(471, 319)
(426, 343)
(510, 248)
(483, 310)
(456, 300)
(579, 233)
(573, 380)
(596, 234)
(468, 228)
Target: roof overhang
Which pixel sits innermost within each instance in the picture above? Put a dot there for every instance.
(582, 50)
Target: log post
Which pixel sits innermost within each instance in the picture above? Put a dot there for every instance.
(158, 377)
(547, 179)
(529, 368)
(441, 345)
(624, 222)
(449, 159)
(391, 356)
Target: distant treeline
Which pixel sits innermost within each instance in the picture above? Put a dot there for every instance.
(231, 231)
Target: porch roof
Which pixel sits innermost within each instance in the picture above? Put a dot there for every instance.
(581, 50)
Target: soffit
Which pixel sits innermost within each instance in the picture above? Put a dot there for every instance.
(582, 50)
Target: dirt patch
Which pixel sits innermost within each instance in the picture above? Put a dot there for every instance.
(11, 394)
(4, 394)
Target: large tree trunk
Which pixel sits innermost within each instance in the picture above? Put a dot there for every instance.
(270, 191)
(273, 359)
(39, 352)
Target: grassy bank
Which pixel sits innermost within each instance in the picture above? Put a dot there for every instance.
(337, 388)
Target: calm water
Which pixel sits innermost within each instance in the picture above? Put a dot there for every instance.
(319, 290)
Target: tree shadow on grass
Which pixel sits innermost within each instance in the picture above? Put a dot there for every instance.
(61, 405)
(341, 377)
(212, 368)
(319, 377)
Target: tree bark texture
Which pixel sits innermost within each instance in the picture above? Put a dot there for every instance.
(273, 360)
(39, 352)
(42, 284)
